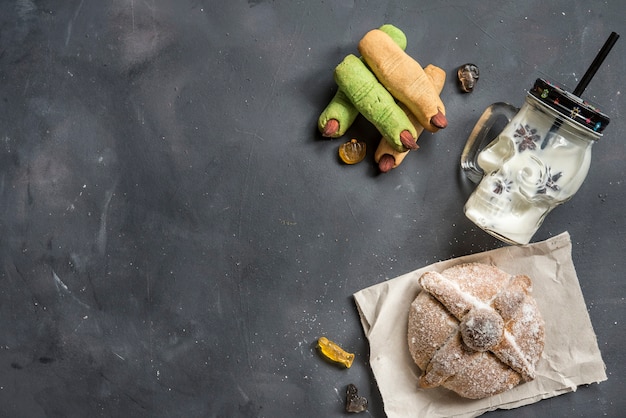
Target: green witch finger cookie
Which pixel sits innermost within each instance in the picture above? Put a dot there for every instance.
(340, 113)
(375, 103)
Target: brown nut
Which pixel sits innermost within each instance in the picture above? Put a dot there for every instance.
(332, 126)
(439, 120)
(408, 140)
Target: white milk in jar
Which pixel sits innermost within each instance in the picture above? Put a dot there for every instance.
(537, 162)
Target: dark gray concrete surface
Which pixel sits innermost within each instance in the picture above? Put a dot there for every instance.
(175, 234)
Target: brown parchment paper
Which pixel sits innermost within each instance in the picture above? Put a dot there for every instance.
(571, 356)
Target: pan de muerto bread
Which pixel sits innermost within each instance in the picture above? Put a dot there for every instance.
(476, 330)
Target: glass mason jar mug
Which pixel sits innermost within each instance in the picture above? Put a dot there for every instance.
(537, 162)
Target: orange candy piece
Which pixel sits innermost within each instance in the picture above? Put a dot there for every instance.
(352, 152)
(334, 352)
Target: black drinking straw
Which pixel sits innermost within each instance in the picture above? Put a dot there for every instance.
(595, 65)
(584, 82)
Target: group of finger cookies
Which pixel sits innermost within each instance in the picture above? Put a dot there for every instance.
(391, 90)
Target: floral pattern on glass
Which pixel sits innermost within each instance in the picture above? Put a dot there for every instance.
(549, 182)
(526, 139)
(501, 186)
(527, 136)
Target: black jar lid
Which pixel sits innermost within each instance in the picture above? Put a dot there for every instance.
(570, 106)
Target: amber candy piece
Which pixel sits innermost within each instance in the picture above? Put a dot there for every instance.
(334, 352)
(352, 152)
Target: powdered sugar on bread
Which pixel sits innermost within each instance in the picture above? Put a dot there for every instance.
(475, 329)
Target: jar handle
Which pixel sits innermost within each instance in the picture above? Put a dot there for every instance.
(479, 137)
